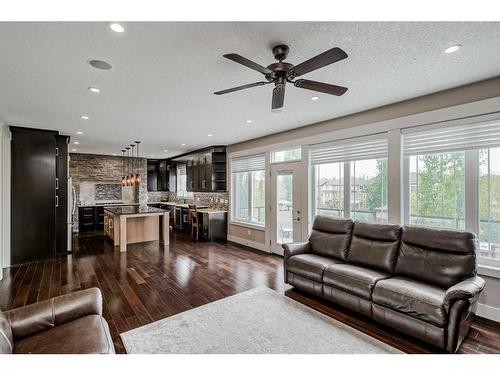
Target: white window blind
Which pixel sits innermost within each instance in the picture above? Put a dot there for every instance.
(248, 163)
(361, 148)
(471, 134)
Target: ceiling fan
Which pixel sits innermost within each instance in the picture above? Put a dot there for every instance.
(282, 72)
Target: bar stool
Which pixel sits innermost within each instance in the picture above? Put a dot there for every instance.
(195, 223)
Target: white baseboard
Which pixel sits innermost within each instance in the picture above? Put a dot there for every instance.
(488, 312)
(252, 244)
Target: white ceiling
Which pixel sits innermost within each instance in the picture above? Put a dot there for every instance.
(160, 90)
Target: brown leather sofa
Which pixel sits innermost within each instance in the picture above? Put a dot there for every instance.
(68, 324)
(418, 280)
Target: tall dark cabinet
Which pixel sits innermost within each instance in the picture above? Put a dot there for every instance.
(39, 192)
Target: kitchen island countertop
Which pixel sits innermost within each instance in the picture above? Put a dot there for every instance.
(133, 210)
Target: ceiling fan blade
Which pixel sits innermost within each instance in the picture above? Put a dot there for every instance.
(241, 87)
(323, 59)
(320, 86)
(248, 63)
(278, 96)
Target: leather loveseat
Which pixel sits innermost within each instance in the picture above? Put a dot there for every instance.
(68, 324)
(418, 280)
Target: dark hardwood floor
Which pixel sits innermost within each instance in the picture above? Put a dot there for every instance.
(146, 284)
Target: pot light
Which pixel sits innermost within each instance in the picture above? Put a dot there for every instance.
(152, 156)
(94, 90)
(165, 150)
(84, 117)
(116, 27)
(76, 142)
(452, 49)
(114, 154)
(183, 144)
(210, 135)
(73, 150)
(100, 64)
(79, 133)
(314, 98)
(248, 121)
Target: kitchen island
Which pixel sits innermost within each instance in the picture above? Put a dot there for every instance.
(134, 224)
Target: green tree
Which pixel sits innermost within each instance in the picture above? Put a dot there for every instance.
(376, 188)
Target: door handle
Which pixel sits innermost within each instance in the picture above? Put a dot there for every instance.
(296, 219)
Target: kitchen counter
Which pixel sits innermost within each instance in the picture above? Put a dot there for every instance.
(211, 211)
(108, 204)
(133, 210)
(177, 204)
(134, 224)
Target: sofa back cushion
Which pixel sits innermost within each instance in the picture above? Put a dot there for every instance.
(437, 256)
(6, 341)
(375, 245)
(331, 236)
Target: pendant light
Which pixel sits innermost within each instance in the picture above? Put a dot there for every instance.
(124, 179)
(137, 175)
(128, 166)
(132, 173)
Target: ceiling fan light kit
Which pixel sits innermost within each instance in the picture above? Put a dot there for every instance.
(282, 72)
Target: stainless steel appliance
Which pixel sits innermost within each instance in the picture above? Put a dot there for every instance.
(71, 212)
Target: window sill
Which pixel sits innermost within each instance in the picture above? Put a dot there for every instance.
(487, 270)
(247, 225)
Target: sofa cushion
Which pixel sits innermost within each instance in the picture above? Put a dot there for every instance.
(375, 245)
(87, 335)
(437, 256)
(310, 266)
(353, 279)
(331, 236)
(420, 300)
(6, 340)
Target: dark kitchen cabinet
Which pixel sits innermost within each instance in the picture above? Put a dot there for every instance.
(162, 175)
(90, 218)
(205, 170)
(152, 175)
(172, 177)
(38, 195)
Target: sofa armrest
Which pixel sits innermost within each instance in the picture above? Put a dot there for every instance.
(467, 289)
(296, 248)
(28, 320)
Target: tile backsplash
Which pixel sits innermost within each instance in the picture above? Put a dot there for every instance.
(108, 192)
(212, 200)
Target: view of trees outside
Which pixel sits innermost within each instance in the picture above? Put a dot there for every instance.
(249, 196)
(437, 190)
(368, 189)
(489, 202)
(286, 155)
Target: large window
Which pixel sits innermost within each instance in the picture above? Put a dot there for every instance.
(362, 162)
(248, 190)
(437, 190)
(182, 182)
(489, 203)
(453, 176)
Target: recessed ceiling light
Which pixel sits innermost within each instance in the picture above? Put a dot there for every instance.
(452, 49)
(84, 117)
(94, 89)
(79, 133)
(183, 144)
(76, 142)
(100, 64)
(210, 135)
(73, 150)
(165, 150)
(152, 156)
(114, 154)
(248, 121)
(314, 98)
(116, 27)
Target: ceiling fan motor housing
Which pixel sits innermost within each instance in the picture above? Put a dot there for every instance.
(280, 52)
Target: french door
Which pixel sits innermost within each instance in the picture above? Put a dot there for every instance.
(286, 204)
